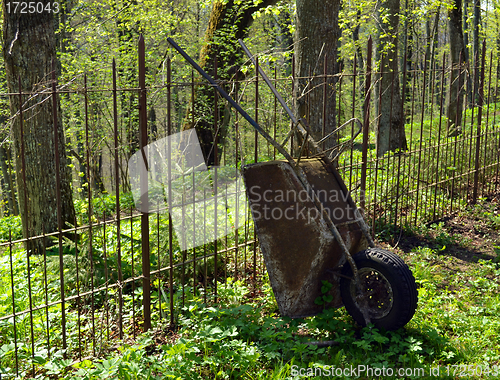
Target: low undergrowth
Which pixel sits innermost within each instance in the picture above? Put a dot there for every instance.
(455, 332)
(457, 324)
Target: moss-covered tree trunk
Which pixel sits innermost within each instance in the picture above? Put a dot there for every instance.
(229, 21)
(29, 46)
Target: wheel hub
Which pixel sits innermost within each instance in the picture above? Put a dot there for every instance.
(376, 291)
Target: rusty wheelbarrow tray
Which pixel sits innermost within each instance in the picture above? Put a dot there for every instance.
(302, 251)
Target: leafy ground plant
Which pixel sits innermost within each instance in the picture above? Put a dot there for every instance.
(243, 336)
(456, 324)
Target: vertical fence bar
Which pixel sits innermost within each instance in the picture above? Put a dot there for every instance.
(325, 91)
(90, 212)
(403, 133)
(339, 110)
(183, 264)
(439, 138)
(496, 130)
(377, 146)
(293, 104)
(237, 142)
(421, 140)
(391, 156)
(448, 136)
(132, 268)
(13, 292)
(158, 263)
(462, 146)
(205, 246)
(106, 275)
(169, 176)
(366, 122)
(410, 141)
(227, 251)
(143, 141)
(353, 114)
(308, 99)
(216, 163)
(78, 300)
(256, 149)
(455, 139)
(118, 211)
(58, 197)
(23, 164)
(194, 188)
(428, 147)
(471, 139)
(275, 121)
(479, 119)
(486, 132)
(46, 285)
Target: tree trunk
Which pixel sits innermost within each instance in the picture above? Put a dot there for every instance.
(476, 47)
(390, 133)
(7, 184)
(408, 51)
(317, 34)
(466, 43)
(29, 49)
(457, 53)
(229, 21)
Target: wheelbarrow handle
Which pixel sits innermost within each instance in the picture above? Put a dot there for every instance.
(269, 84)
(232, 101)
(303, 128)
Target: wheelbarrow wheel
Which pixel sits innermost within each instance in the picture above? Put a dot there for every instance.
(389, 286)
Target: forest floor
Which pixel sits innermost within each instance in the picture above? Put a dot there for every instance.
(455, 330)
(466, 236)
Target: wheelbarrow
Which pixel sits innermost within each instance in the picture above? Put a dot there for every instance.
(311, 232)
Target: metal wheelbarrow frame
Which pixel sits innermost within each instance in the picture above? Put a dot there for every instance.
(375, 285)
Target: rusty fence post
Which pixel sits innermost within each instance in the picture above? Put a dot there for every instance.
(479, 117)
(143, 141)
(89, 205)
(403, 99)
(27, 229)
(59, 207)
(117, 194)
(169, 175)
(366, 122)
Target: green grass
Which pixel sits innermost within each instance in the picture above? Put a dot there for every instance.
(457, 323)
(243, 336)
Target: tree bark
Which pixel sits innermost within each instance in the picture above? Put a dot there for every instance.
(317, 34)
(408, 51)
(457, 53)
(390, 133)
(29, 47)
(229, 21)
(7, 183)
(467, 55)
(476, 47)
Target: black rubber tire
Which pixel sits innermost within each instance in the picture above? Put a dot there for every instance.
(391, 284)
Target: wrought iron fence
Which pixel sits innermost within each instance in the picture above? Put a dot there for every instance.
(118, 271)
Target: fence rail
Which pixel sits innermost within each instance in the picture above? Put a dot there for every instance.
(100, 279)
